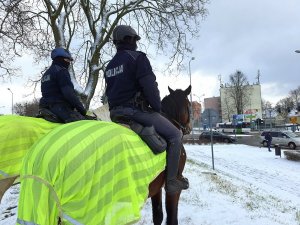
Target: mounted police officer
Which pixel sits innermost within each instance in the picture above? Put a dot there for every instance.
(132, 93)
(58, 94)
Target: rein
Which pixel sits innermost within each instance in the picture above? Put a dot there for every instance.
(175, 122)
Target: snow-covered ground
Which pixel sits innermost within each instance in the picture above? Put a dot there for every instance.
(249, 186)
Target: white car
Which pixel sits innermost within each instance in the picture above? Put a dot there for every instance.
(282, 138)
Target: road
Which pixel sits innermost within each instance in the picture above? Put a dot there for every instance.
(247, 139)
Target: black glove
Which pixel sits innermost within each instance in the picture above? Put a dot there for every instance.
(83, 112)
(93, 117)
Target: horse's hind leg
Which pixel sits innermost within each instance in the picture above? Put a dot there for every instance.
(157, 212)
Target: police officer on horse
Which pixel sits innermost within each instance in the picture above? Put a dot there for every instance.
(58, 94)
(133, 94)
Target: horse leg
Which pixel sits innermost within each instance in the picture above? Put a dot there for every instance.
(172, 201)
(157, 212)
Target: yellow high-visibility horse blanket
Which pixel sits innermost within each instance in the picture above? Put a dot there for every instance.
(87, 172)
(17, 135)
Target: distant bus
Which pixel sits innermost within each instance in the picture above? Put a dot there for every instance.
(288, 126)
(241, 127)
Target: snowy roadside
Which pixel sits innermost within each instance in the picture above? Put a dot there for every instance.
(8, 206)
(249, 186)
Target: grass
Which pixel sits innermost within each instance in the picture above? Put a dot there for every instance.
(298, 216)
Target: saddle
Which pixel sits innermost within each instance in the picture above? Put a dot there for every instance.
(48, 115)
(148, 134)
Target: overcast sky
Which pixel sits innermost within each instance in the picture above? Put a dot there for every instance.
(245, 35)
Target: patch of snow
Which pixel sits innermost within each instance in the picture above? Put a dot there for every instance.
(248, 186)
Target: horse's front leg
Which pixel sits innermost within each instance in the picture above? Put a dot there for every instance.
(172, 201)
(157, 212)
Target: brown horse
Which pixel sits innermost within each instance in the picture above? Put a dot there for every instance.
(90, 172)
(176, 107)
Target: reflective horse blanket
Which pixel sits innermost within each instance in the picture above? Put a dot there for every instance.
(87, 172)
(17, 135)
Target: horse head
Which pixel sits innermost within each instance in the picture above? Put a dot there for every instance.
(177, 108)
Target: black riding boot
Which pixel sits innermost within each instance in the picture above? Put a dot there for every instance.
(173, 184)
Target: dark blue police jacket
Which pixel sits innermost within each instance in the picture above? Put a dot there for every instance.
(126, 74)
(56, 87)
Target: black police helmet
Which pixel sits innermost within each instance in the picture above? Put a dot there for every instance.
(61, 52)
(122, 31)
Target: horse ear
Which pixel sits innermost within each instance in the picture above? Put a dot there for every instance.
(170, 90)
(188, 90)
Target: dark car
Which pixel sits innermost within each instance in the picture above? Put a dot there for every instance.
(218, 137)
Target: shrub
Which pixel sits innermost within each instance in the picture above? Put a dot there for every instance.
(292, 155)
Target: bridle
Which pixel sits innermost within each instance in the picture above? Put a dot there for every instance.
(184, 127)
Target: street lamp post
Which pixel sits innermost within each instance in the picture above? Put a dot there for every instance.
(297, 51)
(192, 113)
(199, 97)
(12, 101)
(270, 117)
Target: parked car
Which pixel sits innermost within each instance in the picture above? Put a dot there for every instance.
(218, 137)
(282, 138)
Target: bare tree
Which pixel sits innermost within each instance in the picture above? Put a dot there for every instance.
(29, 108)
(295, 95)
(239, 90)
(227, 108)
(267, 108)
(85, 28)
(284, 107)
